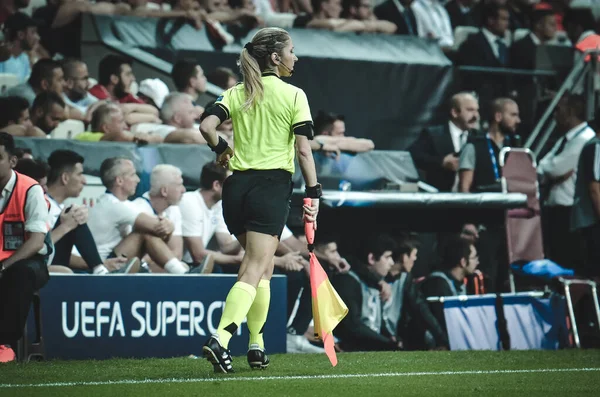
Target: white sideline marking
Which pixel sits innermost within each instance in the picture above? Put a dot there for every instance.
(299, 377)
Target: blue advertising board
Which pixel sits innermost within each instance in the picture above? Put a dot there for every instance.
(100, 317)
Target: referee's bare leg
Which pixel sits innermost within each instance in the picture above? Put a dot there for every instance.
(253, 285)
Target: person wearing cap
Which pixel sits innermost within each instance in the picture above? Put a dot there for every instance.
(76, 88)
(21, 33)
(272, 122)
(153, 92)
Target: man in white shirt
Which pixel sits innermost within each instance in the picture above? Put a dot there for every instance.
(162, 201)
(202, 214)
(69, 225)
(433, 22)
(113, 216)
(558, 172)
(24, 246)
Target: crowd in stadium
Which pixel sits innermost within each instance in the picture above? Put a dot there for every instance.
(169, 230)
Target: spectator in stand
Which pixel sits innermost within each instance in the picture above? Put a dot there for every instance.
(579, 23)
(153, 92)
(21, 33)
(162, 200)
(194, 16)
(436, 151)
(46, 75)
(178, 115)
(224, 78)
(362, 10)
(108, 124)
(278, 15)
(461, 13)
(10, 7)
(401, 14)
(459, 260)
(113, 216)
(330, 132)
(115, 77)
(189, 78)
(69, 224)
(15, 119)
(407, 309)
(48, 111)
(361, 329)
(522, 52)
(326, 15)
(433, 22)
(76, 86)
(585, 216)
(558, 172)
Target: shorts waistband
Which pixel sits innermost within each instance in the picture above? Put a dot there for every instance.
(267, 173)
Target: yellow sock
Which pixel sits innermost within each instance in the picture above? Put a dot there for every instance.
(239, 300)
(257, 316)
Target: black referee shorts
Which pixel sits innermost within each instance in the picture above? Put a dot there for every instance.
(257, 201)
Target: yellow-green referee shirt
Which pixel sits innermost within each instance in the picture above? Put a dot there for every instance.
(263, 135)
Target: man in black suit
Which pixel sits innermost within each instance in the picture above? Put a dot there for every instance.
(400, 13)
(461, 13)
(436, 150)
(522, 52)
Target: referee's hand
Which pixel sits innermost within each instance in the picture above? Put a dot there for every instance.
(223, 158)
(310, 212)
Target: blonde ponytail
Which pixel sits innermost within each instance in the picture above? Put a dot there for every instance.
(253, 86)
(255, 59)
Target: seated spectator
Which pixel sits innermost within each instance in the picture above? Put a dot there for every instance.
(222, 77)
(153, 92)
(326, 15)
(15, 119)
(522, 52)
(362, 328)
(330, 136)
(362, 10)
(69, 224)
(46, 75)
(178, 115)
(436, 150)
(400, 13)
(459, 260)
(21, 33)
(461, 13)
(275, 15)
(407, 309)
(48, 111)
(108, 124)
(115, 77)
(113, 216)
(24, 254)
(189, 78)
(221, 12)
(76, 87)
(433, 22)
(162, 200)
(194, 16)
(202, 214)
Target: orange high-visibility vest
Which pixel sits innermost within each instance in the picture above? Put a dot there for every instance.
(591, 42)
(12, 219)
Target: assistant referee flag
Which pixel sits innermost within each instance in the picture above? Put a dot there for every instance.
(328, 308)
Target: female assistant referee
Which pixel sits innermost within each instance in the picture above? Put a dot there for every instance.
(272, 121)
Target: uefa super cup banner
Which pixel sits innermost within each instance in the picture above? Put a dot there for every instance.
(99, 317)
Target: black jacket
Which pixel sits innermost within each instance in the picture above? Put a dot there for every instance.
(428, 152)
(522, 53)
(388, 11)
(458, 18)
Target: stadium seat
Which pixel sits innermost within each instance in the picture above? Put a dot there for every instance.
(523, 225)
(27, 350)
(68, 129)
(7, 81)
(461, 33)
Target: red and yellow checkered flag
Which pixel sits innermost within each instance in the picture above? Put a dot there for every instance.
(328, 308)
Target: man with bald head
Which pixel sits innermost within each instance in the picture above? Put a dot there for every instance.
(479, 171)
(436, 150)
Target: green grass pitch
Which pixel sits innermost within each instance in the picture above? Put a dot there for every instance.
(516, 373)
